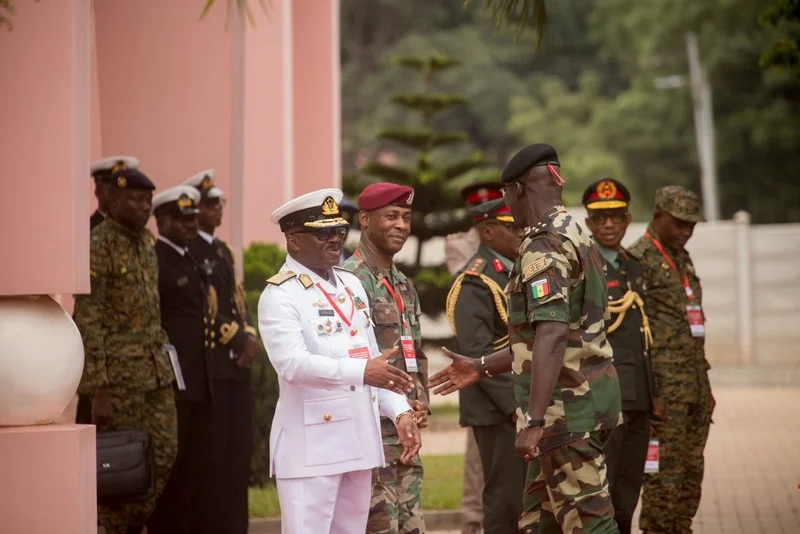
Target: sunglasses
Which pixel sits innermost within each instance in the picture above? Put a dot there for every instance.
(324, 234)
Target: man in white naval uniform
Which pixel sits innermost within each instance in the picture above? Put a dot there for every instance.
(314, 319)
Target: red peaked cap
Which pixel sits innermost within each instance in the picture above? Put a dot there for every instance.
(478, 193)
(376, 196)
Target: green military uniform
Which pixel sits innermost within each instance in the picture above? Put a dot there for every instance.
(396, 492)
(559, 277)
(671, 497)
(124, 351)
(478, 315)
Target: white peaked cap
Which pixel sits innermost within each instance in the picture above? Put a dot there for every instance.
(208, 175)
(174, 194)
(106, 164)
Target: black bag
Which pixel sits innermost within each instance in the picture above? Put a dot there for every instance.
(125, 467)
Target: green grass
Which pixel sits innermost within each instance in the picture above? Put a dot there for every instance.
(441, 489)
(444, 410)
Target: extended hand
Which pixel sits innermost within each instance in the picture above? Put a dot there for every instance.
(410, 438)
(461, 373)
(101, 407)
(527, 443)
(380, 373)
(421, 413)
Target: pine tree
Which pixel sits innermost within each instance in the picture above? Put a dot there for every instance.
(438, 208)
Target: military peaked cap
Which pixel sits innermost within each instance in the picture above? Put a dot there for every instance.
(606, 194)
(131, 179)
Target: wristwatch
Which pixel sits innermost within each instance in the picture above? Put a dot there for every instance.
(529, 423)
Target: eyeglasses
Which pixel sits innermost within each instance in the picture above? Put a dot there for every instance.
(324, 234)
(616, 218)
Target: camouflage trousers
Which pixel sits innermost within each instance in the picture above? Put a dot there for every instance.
(396, 503)
(670, 498)
(153, 411)
(566, 490)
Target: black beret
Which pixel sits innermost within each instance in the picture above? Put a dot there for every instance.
(606, 194)
(527, 158)
(131, 179)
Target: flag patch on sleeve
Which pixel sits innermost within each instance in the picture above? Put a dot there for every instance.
(540, 288)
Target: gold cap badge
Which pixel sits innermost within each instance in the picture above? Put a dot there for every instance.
(184, 202)
(121, 181)
(606, 189)
(330, 207)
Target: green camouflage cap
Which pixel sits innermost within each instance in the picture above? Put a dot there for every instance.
(680, 203)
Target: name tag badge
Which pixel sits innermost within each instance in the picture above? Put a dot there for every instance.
(326, 313)
(360, 352)
(695, 314)
(409, 355)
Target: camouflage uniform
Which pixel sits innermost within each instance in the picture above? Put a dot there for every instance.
(671, 497)
(124, 351)
(559, 277)
(395, 507)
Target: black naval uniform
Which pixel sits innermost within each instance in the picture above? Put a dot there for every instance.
(626, 450)
(488, 406)
(183, 289)
(224, 496)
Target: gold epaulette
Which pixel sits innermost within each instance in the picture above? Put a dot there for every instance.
(251, 330)
(500, 300)
(227, 331)
(621, 307)
(281, 277)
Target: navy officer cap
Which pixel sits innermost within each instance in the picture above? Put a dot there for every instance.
(131, 179)
(527, 158)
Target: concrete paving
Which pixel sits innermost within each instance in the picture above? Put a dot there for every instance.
(752, 462)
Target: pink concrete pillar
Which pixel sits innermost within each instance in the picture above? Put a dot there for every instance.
(317, 103)
(44, 149)
(49, 481)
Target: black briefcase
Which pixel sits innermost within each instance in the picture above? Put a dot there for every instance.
(125, 467)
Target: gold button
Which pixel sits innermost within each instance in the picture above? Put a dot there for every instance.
(213, 344)
(206, 331)
(205, 320)
(352, 388)
(327, 417)
(213, 334)
(374, 398)
(206, 343)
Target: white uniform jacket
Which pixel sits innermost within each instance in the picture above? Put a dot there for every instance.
(327, 420)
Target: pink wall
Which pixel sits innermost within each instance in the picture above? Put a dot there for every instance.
(316, 95)
(44, 148)
(165, 91)
(260, 105)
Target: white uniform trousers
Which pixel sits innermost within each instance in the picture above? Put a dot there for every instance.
(334, 504)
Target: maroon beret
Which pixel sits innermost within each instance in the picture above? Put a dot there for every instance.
(376, 196)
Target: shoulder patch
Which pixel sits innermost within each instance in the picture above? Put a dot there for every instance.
(476, 267)
(306, 281)
(281, 277)
(534, 268)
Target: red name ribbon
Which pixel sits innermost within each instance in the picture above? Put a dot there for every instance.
(347, 321)
(401, 305)
(686, 287)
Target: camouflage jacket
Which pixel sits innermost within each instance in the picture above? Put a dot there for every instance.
(559, 276)
(120, 321)
(680, 369)
(386, 314)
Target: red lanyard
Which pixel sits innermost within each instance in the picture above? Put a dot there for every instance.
(686, 287)
(401, 305)
(398, 299)
(347, 321)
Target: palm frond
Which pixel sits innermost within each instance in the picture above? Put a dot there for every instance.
(504, 12)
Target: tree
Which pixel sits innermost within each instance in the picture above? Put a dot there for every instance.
(784, 54)
(435, 179)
